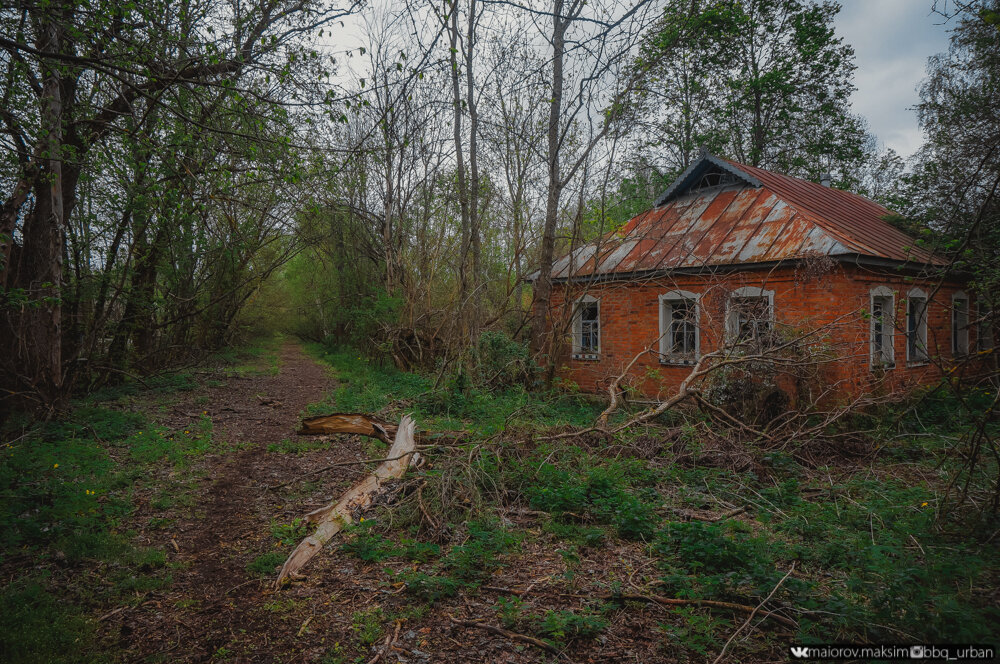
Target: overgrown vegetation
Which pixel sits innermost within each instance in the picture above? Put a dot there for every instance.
(873, 561)
(67, 494)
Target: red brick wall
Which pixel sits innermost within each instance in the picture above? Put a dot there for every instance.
(821, 297)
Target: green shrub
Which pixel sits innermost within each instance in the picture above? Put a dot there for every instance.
(367, 625)
(368, 545)
(707, 560)
(563, 626)
(501, 362)
(289, 534)
(601, 493)
(430, 588)
(265, 564)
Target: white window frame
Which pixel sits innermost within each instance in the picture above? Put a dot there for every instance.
(921, 329)
(888, 323)
(666, 330)
(733, 314)
(578, 352)
(960, 333)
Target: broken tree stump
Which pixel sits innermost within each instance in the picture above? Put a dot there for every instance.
(333, 518)
(348, 423)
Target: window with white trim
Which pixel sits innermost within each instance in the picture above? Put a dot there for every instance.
(959, 324)
(882, 327)
(916, 326)
(587, 328)
(750, 315)
(679, 337)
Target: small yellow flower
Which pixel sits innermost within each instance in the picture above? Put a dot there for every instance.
(362, 520)
(923, 504)
(55, 465)
(140, 433)
(187, 432)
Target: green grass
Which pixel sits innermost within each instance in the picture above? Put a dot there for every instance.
(40, 626)
(66, 492)
(369, 388)
(873, 560)
(265, 564)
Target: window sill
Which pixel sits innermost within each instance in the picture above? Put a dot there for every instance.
(886, 366)
(587, 357)
(916, 364)
(678, 362)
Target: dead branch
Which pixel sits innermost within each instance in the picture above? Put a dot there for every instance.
(423, 508)
(342, 464)
(500, 631)
(668, 601)
(753, 613)
(705, 405)
(332, 518)
(390, 640)
(614, 390)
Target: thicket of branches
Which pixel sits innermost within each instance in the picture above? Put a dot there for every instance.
(175, 174)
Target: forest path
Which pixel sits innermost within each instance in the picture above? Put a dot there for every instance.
(214, 600)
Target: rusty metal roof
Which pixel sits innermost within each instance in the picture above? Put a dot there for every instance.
(752, 216)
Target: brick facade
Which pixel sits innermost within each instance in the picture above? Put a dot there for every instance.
(826, 299)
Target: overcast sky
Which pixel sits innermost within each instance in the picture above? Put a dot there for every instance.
(892, 40)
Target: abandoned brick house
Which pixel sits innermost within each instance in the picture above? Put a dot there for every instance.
(732, 253)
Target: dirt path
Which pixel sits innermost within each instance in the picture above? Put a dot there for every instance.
(213, 600)
(215, 609)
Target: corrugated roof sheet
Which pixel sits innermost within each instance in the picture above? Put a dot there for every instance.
(766, 217)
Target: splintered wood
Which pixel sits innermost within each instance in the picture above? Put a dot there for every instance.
(348, 423)
(333, 518)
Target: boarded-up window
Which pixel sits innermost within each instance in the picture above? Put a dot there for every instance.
(959, 325)
(916, 327)
(587, 327)
(882, 328)
(679, 328)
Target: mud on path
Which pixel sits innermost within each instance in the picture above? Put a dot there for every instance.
(215, 608)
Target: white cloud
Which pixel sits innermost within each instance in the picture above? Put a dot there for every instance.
(892, 40)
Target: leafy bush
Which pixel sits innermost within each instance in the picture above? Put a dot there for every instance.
(430, 588)
(601, 493)
(265, 564)
(368, 625)
(705, 560)
(500, 362)
(477, 557)
(564, 625)
(368, 545)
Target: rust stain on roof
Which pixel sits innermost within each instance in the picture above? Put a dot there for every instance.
(764, 217)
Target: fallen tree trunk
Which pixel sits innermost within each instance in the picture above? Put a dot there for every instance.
(348, 423)
(333, 518)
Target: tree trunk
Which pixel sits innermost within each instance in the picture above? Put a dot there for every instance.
(38, 349)
(543, 286)
(463, 187)
(473, 166)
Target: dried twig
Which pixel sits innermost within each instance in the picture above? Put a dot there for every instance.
(423, 508)
(753, 613)
(500, 631)
(668, 601)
